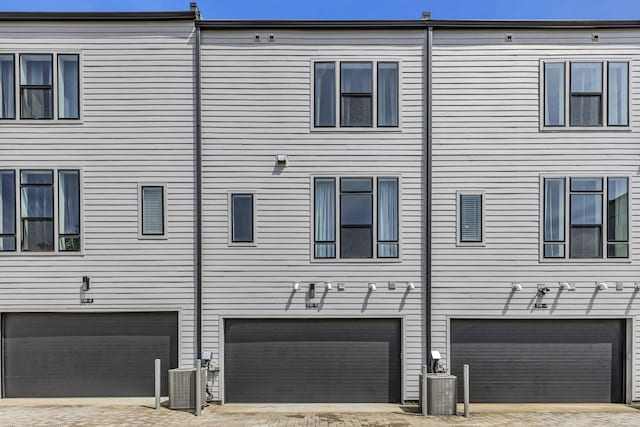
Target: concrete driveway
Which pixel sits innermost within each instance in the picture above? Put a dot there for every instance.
(140, 412)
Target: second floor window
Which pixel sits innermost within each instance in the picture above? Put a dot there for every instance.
(575, 94)
(363, 222)
(356, 94)
(40, 77)
(594, 211)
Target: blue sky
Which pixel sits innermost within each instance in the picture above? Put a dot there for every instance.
(356, 9)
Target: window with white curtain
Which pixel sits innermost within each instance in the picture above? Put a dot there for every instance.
(578, 90)
(69, 210)
(596, 213)
(356, 94)
(153, 221)
(7, 87)
(36, 86)
(362, 223)
(470, 218)
(68, 87)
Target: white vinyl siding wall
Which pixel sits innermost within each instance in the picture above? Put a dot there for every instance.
(137, 108)
(487, 137)
(257, 103)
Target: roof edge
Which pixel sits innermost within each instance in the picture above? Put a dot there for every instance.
(97, 16)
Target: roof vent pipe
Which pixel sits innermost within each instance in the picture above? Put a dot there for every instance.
(426, 15)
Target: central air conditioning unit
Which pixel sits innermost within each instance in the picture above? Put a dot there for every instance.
(441, 394)
(182, 388)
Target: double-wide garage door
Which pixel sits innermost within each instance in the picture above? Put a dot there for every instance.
(86, 354)
(525, 360)
(312, 360)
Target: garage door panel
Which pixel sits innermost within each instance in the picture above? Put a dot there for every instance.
(86, 354)
(529, 360)
(329, 360)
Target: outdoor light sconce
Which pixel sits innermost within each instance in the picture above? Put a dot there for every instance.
(516, 287)
(86, 283)
(328, 286)
(296, 286)
(372, 287)
(636, 286)
(411, 286)
(602, 286)
(566, 286)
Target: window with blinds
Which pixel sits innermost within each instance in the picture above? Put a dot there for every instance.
(153, 201)
(470, 218)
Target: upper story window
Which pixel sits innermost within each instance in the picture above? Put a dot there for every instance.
(366, 96)
(153, 211)
(242, 221)
(362, 223)
(470, 219)
(39, 192)
(597, 218)
(585, 94)
(37, 80)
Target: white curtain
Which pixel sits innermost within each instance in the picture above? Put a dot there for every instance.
(36, 70)
(388, 94)
(69, 202)
(68, 86)
(554, 90)
(586, 78)
(618, 94)
(388, 217)
(325, 94)
(7, 89)
(325, 222)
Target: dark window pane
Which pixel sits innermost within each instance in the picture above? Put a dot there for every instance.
(37, 202)
(325, 94)
(586, 110)
(242, 211)
(586, 209)
(618, 96)
(7, 243)
(470, 218)
(356, 242)
(553, 250)
(586, 184)
(7, 202)
(325, 250)
(37, 235)
(68, 87)
(586, 242)
(36, 103)
(554, 93)
(387, 250)
(153, 210)
(7, 87)
(618, 210)
(36, 177)
(356, 77)
(356, 209)
(388, 94)
(35, 70)
(68, 243)
(356, 185)
(586, 77)
(618, 250)
(554, 209)
(356, 111)
(69, 202)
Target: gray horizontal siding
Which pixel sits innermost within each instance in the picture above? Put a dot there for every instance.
(137, 126)
(256, 104)
(486, 137)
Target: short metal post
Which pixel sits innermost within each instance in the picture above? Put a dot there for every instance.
(157, 384)
(198, 388)
(466, 391)
(424, 403)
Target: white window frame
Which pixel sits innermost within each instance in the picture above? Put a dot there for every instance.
(374, 258)
(55, 120)
(230, 241)
(165, 210)
(483, 210)
(567, 94)
(374, 117)
(567, 219)
(56, 190)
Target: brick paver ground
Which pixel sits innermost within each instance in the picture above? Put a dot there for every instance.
(42, 414)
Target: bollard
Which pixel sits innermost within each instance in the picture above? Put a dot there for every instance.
(198, 388)
(157, 383)
(466, 391)
(424, 403)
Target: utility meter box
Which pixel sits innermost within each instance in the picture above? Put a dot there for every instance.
(442, 392)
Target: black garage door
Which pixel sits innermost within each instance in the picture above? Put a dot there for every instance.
(540, 360)
(312, 360)
(86, 355)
